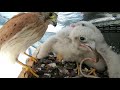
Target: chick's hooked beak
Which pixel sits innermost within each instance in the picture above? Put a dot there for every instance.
(90, 50)
(53, 17)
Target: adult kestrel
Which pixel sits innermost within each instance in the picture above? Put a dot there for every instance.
(22, 31)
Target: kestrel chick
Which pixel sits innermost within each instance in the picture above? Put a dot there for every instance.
(69, 44)
(94, 39)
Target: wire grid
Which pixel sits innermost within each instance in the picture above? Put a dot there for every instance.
(111, 34)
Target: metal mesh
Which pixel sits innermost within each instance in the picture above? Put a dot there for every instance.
(111, 33)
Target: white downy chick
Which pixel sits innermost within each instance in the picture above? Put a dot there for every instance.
(79, 36)
(94, 39)
(67, 42)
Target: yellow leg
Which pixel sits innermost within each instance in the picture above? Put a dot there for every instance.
(31, 58)
(92, 71)
(28, 68)
(78, 68)
(59, 57)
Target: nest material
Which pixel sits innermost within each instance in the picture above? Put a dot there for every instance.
(49, 67)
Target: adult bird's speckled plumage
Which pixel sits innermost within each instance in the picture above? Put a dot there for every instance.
(22, 31)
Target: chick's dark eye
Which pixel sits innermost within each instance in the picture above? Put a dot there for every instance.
(83, 24)
(82, 38)
(50, 14)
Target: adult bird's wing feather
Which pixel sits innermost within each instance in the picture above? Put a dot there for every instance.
(16, 24)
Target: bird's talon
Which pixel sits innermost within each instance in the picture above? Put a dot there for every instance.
(31, 71)
(92, 71)
(31, 57)
(78, 68)
(59, 57)
(25, 74)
